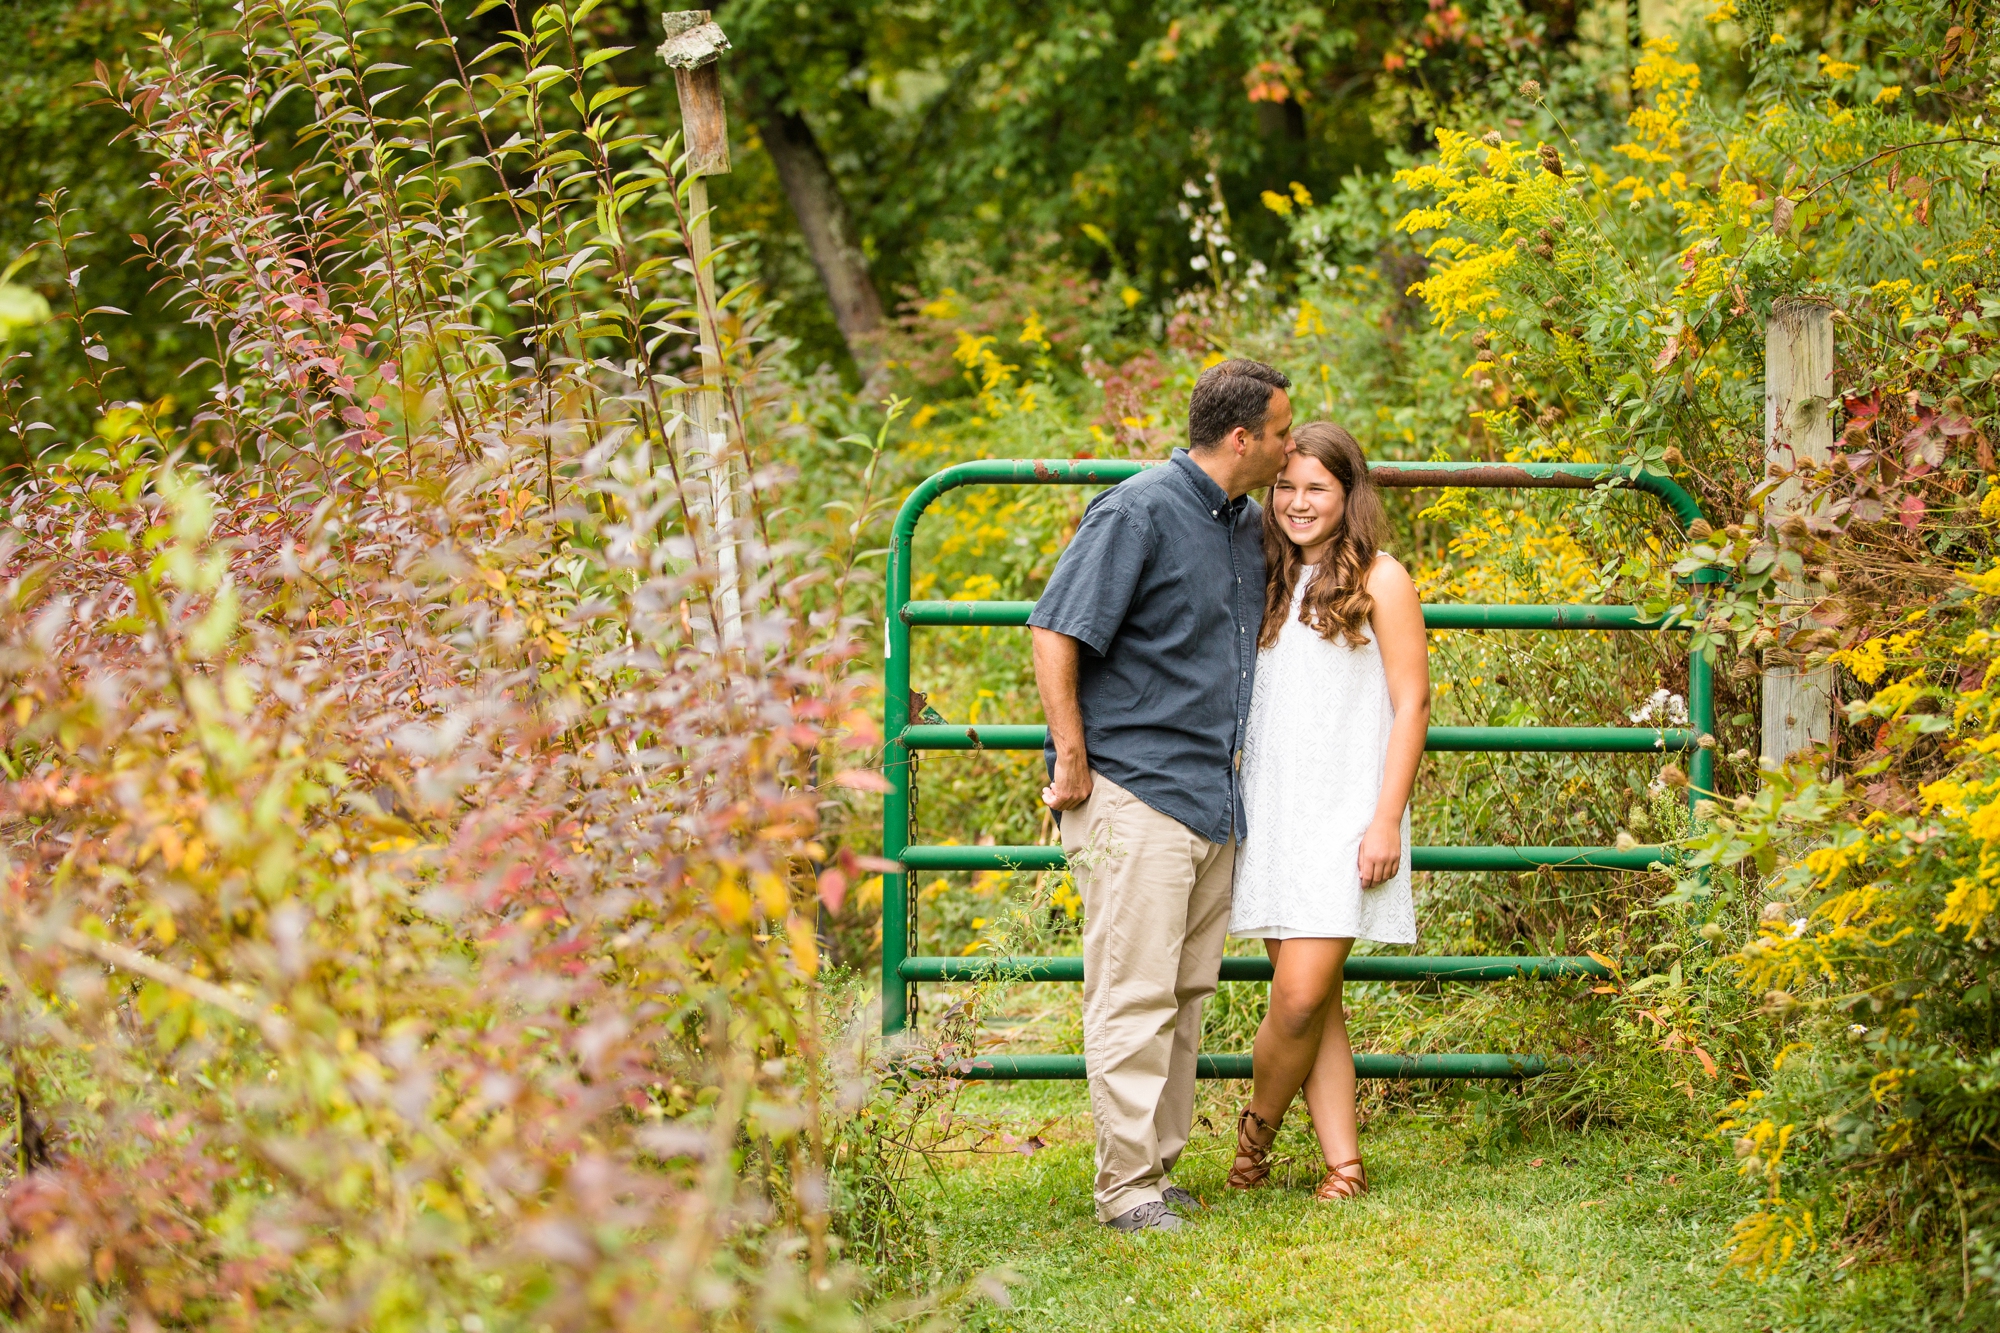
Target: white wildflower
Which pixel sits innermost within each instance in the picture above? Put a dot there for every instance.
(1662, 709)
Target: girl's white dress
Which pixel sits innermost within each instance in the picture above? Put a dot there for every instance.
(1313, 753)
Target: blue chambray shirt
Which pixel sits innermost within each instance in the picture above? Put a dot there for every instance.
(1164, 586)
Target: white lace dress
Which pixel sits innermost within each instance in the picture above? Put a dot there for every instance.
(1313, 754)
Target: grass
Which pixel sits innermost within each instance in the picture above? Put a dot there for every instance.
(1563, 1232)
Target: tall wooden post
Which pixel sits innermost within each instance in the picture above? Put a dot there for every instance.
(693, 42)
(1798, 429)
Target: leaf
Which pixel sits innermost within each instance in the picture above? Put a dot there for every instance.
(1911, 511)
(604, 95)
(861, 779)
(20, 261)
(596, 58)
(833, 889)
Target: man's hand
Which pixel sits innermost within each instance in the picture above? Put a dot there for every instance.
(1381, 853)
(1055, 673)
(1070, 787)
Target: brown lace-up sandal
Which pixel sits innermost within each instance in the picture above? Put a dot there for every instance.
(1338, 1185)
(1252, 1166)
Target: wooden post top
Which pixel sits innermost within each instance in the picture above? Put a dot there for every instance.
(693, 43)
(693, 39)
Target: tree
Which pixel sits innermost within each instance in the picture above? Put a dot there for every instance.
(827, 225)
(987, 132)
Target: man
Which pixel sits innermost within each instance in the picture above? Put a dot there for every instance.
(1145, 652)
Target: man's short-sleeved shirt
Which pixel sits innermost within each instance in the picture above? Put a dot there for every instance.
(1164, 587)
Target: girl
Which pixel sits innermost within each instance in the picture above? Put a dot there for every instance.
(1329, 755)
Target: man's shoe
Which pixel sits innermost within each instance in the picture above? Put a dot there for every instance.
(1176, 1197)
(1147, 1217)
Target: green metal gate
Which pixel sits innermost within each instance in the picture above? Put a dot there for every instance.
(905, 737)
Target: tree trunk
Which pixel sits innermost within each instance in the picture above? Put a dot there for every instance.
(822, 213)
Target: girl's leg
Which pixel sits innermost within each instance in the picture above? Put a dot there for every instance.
(1330, 1085)
(1305, 982)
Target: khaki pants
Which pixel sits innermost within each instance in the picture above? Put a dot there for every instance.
(1155, 913)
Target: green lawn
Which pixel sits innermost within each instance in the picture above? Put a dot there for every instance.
(1571, 1233)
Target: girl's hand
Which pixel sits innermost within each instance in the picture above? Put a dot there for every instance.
(1381, 853)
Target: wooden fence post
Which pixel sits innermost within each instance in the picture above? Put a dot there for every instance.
(1798, 429)
(693, 43)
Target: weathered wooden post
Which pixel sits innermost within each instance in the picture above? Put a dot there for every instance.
(1798, 429)
(693, 42)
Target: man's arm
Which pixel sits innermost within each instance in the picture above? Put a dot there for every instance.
(1055, 675)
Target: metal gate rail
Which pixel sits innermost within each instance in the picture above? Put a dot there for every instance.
(905, 738)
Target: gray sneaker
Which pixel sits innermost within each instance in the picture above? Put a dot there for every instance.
(1147, 1217)
(1176, 1197)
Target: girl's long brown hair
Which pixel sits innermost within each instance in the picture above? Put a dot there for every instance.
(1337, 604)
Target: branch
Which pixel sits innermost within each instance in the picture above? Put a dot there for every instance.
(126, 959)
(1888, 152)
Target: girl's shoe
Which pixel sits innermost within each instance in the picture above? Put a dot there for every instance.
(1339, 1185)
(1253, 1151)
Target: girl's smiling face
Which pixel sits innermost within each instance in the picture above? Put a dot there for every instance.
(1308, 501)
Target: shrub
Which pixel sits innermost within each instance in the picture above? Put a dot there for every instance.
(413, 821)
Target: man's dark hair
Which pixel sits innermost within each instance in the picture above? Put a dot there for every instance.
(1231, 394)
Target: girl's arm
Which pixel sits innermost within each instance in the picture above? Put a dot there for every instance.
(1398, 624)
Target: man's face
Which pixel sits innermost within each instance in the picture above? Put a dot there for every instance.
(1271, 449)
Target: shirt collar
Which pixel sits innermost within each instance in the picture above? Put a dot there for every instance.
(1213, 498)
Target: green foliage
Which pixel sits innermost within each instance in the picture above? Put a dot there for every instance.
(1596, 287)
(62, 140)
(1627, 302)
